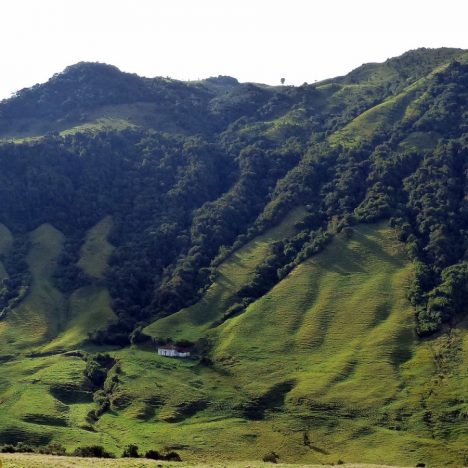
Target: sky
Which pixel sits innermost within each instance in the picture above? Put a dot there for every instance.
(252, 40)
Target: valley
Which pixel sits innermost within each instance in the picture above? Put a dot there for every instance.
(307, 244)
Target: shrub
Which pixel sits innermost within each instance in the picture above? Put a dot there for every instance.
(153, 455)
(8, 449)
(271, 457)
(95, 451)
(54, 448)
(172, 456)
(131, 451)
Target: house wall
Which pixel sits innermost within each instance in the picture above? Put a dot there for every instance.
(172, 353)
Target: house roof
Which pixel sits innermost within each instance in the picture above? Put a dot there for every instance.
(179, 349)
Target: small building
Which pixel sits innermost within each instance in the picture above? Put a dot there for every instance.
(173, 351)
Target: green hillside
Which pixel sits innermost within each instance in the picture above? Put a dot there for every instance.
(194, 322)
(96, 249)
(332, 345)
(48, 317)
(308, 244)
(88, 307)
(37, 318)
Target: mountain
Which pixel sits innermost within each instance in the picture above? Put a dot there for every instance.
(307, 244)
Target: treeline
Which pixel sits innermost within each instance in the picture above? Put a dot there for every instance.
(91, 451)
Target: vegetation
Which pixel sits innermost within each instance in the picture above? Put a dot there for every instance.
(309, 242)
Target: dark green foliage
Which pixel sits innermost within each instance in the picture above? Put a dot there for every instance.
(223, 162)
(53, 449)
(94, 451)
(446, 300)
(131, 451)
(97, 367)
(16, 287)
(172, 456)
(271, 457)
(68, 276)
(22, 447)
(153, 455)
(138, 336)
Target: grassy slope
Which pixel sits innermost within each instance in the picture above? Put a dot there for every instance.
(96, 250)
(193, 322)
(89, 307)
(339, 330)
(39, 317)
(46, 317)
(332, 345)
(33, 403)
(404, 106)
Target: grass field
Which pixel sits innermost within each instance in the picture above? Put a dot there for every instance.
(46, 461)
(324, 367)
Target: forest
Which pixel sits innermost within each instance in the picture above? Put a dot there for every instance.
(228, 163)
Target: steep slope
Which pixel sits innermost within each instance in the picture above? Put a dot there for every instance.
(88, 307)
(195, 321)
(38, 317)
(309, 242)
(326, 366)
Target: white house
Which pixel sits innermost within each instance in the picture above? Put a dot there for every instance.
(173, 351)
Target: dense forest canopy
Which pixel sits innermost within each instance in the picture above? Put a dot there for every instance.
(199, 168)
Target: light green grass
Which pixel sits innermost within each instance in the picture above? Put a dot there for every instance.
(338, 330)
(38, 318)
(46, 317)
(382, 117)
(46, 461)
(39, 400)
(96, 250)
(88, 310)
(103, 123)
(193, 322)
(378, 118)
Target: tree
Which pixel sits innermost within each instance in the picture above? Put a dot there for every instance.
(131, 451)
(283, 80)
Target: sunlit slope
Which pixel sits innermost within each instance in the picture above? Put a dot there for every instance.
(339, 331)
(323, 367)
(89, 307)
(404, 107)
(44, 399)
(46, 317)
(341, 318)
(40, 315)
(330, 351)
(192, 322)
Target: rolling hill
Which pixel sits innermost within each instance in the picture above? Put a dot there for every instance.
(308, 244)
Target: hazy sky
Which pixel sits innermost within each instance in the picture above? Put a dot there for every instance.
(253, 40)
